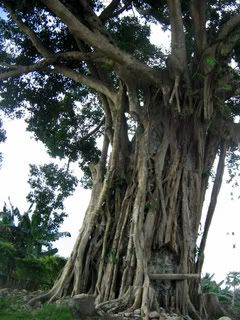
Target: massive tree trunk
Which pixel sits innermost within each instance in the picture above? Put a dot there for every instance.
(144, 214)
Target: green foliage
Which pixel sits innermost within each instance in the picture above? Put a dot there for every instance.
(19, 268)
(26, 239)
(7, 261)
(133, 37)
(233, 279)
(7, 249)
(38, 273)
(230, 299)
(50, 185)
(211, 61)
(209, 285)
(59, 111)
(8, 311)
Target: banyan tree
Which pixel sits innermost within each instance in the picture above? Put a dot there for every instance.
(147, 125)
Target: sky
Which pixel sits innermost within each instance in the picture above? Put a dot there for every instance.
(222, 253)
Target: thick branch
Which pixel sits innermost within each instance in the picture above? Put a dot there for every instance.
(101, 43)
(226, 46)
(227, 39)
(32, 36)
(112, 10)
(94, 130)
(178, 45)
(70, 55)
(229, 26)
(16, 70)
(108, 11)
(20, 70)
(78, 56)
(92, 83)
(116, 13)
(198, 13)
(214, 196)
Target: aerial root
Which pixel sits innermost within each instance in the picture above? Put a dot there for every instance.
(116, 305)
(175, 93)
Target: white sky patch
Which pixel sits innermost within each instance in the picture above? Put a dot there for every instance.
(160, 38)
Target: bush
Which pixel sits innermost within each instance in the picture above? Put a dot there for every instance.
(38, 273)
(7, 261)
(28, 273)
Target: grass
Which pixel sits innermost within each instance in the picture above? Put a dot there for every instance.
(8, 311)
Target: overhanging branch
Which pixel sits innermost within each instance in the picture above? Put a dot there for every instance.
(101, 43)
(113, 10)
(227, 39)
(178, 45)
(94, 130)
(229, 26)
(82, 56)
(198, 13)
(92, 83)
(32, 36)
(16, 70)
(108, 11)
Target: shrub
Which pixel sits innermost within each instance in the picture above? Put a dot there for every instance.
(7, 261)
(38, 273)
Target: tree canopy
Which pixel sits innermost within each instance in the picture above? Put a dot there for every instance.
(47, 75)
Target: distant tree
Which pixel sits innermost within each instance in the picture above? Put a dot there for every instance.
(209, 285)
(50, 186)
(34, 231)
(86, 68)
(26, 240)
(233, 280)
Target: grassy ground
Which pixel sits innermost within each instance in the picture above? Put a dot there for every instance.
(9, 311)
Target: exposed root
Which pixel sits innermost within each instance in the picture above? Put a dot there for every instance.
(116, 305)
